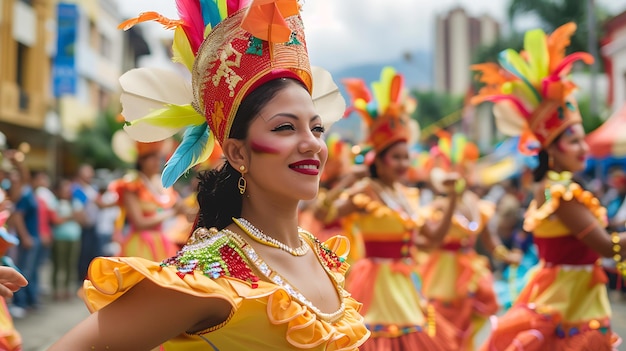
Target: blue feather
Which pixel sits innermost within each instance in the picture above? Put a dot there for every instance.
(187, 154)
(210, 13)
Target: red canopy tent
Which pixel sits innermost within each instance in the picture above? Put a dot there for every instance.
(610, 138)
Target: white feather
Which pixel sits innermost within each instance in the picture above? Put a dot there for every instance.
(508, 120)
(329, 103)
(148, 89)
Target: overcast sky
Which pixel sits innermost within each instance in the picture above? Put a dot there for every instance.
(346, 32)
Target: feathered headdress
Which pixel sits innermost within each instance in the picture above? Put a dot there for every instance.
(452, 153)
(453, 150)
(531, 91)
(230, 48)
(386, 113)
(129, 150)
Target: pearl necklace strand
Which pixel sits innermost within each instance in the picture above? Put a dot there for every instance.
(281, 281)
(265, 239)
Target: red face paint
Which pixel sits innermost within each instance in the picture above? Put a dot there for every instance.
(263, 149)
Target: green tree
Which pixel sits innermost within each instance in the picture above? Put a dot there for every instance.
(591, 120)
(93, 144)
(433, 106)
(554, 13)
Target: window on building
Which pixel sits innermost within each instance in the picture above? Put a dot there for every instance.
(103, 99)
(106, 47)
(23, 53)
(94, 36)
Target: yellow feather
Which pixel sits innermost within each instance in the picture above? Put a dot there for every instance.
(536, 46)
(206, 153)
(182, 49)
(172, 117)
(382, 88)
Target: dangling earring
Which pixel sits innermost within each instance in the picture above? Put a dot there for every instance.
(550, 161)
(242, 181)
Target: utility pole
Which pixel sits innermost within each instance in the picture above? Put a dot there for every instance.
(593, 50)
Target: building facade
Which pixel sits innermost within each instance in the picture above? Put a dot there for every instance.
(26, 49)
(457, 37)
(614, 54)
(59, 67)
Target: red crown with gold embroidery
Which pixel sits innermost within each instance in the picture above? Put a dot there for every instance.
(247, 49)
(386, 114)
(530, 89)
(230, 48)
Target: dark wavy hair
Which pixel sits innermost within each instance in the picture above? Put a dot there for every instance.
(544, 162)
(379, 155)
(218, 195)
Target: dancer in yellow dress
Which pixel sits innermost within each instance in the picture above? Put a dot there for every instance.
(564, 306)
(385, 218)
(248, 279)
(457, 280)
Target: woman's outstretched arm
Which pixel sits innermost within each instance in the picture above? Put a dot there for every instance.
(143, 318)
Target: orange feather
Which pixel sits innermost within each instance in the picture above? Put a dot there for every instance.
(150, 16)
(397, 83)
(557, 42)
(265, 19)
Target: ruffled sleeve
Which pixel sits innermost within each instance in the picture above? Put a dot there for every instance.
(263, 312)
(557, 191)
(111, 277)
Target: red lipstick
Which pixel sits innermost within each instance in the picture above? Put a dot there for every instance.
(308, 167)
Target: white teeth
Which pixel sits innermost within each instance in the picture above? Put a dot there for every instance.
(306, 167)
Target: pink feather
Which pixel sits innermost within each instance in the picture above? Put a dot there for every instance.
(193, 23)
(514, 100)
(235, 5)
(564, 67)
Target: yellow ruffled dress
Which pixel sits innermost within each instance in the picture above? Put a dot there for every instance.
(458, 281)
(267, 314)
(564, 306)
(387, 281)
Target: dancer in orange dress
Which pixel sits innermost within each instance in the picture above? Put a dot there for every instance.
(456, 279)
(564, 306)
(147, 206)
(385, 217)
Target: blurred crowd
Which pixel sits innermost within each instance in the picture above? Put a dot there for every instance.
(61, 224)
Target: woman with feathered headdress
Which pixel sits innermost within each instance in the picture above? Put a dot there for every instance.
(457, 280)
(385, 217)
(564, 306)
(248, 278)
(146, 206)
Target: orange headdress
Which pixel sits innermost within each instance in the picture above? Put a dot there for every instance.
(531, 91)
(453, 153)
(386, 114)
(130, 151)
(231, 48)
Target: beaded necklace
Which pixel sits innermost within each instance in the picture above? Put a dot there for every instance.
(267, 240)
(273, 276)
